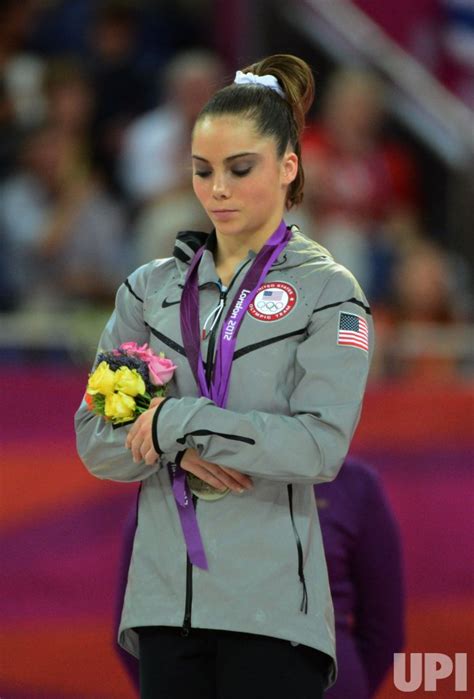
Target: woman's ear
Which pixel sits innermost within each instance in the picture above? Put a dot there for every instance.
(289, 167)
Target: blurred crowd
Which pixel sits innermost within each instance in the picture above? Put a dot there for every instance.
(97, 102)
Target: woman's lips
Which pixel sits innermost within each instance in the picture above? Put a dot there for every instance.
(223, 214)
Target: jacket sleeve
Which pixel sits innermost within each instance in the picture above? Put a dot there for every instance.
(100, 445)
(310, 443)
(377, 573)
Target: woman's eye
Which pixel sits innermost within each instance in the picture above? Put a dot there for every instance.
(241, 172)
(202, 173)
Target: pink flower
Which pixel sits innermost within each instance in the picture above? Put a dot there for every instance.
(161, 370)
(131, 347)
(143, 352)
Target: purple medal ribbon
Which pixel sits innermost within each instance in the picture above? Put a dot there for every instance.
(218, 389)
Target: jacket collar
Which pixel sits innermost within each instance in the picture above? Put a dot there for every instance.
(298, 251)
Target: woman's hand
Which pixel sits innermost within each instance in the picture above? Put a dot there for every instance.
(219, 477)
(139, 438)
(140, 442)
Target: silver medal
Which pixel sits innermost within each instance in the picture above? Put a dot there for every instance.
(203, 490)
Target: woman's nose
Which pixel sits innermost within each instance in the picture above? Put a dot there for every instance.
(220, 188)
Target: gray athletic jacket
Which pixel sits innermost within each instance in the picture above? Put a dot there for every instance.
(297, 383)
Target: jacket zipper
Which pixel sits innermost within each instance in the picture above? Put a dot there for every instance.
(186, 627)
(304, 601)
(189, 589)
(212, 334)
(212, 340)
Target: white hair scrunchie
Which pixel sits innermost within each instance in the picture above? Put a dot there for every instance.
(265, 80)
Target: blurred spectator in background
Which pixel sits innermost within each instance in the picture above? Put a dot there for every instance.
(10, 132)
(355, 182)
(21, 69)
(155, 161)
(63, 234)
(123, 86)
(425, 286)
(420, 333)
(60, 27)
(364, 559)
(69, 99)
(155, 156)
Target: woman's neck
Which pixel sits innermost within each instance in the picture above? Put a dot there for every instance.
(230, 254)
(231, 249)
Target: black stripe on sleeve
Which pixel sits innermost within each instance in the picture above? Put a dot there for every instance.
(127, 284)
(339, 303)
(154, 426)
(205, 433)
(121, 424)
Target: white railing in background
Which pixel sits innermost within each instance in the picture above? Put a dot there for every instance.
(441, 120)
(75, 333)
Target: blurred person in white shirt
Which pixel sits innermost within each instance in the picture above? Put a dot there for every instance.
(155, 154)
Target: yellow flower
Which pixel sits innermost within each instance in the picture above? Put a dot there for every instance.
(129, 381)
(119, 407)
(102, 380)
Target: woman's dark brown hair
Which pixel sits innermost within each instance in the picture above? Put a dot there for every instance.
(281, 118)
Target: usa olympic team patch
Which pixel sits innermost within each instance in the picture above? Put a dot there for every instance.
(274, 300)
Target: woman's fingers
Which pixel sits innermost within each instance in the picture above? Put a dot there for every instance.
(139, 439)
(151, 457)
(211, 479)
(156, 401)
(213, 474)
(241, 478)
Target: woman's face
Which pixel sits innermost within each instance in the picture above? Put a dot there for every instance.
(238, 177)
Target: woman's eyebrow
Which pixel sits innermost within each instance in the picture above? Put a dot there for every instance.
(231, 157)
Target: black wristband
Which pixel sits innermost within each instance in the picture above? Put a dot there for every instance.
(154, 427)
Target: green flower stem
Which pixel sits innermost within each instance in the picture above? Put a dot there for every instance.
(143, 401)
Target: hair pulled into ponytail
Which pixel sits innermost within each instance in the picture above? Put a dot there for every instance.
(296, 79)
(282, 118)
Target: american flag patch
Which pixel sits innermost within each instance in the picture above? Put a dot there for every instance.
(353, 331)
(274, 295)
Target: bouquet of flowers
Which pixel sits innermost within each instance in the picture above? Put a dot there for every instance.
(126, 380)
